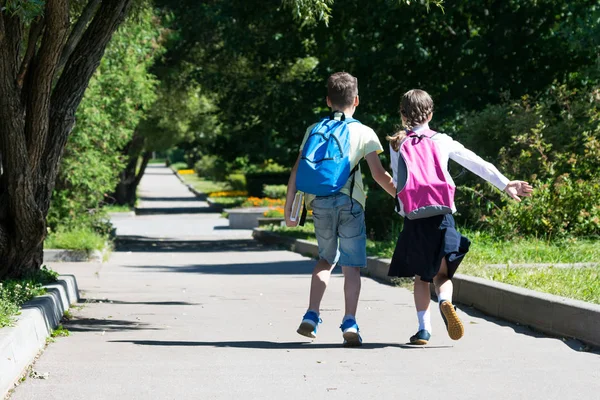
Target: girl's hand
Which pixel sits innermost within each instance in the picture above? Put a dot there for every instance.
(518, 188)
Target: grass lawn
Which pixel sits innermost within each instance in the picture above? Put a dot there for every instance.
(205, 186)
(76, 239)
(229, 202)
(115, 208)
(576, 283)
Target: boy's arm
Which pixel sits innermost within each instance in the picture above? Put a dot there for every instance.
(291, 193)
(381, 176)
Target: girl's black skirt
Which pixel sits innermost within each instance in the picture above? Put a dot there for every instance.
(422, 245)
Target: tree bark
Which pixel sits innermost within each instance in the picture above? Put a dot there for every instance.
(36, 120)
(125, 192)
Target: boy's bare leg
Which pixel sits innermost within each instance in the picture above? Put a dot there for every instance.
(318, 284)
(444, 289)
(352, 284)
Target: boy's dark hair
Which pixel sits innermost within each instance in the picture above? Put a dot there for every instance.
(342, 88)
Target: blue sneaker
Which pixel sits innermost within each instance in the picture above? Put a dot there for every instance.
(420, 338)
(309, 324)
(351, 333)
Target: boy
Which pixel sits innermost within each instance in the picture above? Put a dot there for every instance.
(339, 219)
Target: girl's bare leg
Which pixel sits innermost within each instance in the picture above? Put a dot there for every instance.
(443, 289)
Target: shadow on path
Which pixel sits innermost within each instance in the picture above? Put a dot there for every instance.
(146, 303)
(101, 325)
(165, 199)
(274, 345)
(573, 344)
(152, 245)
(261, 268)
(174, 210)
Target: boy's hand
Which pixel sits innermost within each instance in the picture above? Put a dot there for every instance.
(518, 188)
(291, 224)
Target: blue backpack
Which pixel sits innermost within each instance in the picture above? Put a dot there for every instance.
(324, 166)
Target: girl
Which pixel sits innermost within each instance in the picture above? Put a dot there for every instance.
(429, 248)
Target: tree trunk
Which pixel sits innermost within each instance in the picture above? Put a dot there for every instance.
(37, 113)
(125, 193)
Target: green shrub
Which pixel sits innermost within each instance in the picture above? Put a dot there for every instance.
(175, 156)
(13, 294)
(382, 222)
(237, 181)
(211, 167)
(179, 166)
(554, 143)
(7, 310)
(559, 207)
(275, 191)
(76, 239)
(257, 180)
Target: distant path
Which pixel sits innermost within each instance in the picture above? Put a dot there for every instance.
(188, 309)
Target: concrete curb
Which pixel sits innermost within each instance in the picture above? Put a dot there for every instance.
(550, 314)
(21, 343)
(60, 255)
(200, 195)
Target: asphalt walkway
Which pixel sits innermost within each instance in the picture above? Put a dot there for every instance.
(188, 309)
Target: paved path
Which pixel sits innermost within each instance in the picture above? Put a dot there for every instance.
(188, 309)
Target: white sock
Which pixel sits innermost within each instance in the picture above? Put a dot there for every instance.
(424, 320)
(445, 296)
(347, 317)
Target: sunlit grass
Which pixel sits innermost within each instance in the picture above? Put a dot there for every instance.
(205, 186)
(573, 282)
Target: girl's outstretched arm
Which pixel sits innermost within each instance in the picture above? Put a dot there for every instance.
(518, 189)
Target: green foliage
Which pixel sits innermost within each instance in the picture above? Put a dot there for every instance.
(205, 186)
(275, 191)
(237, 181)
(229, 202)
(26, 10)
(60, 331)
(14, 293)
(211, 167)
(381, 220)
(79, 238)
(114, 208)
(7, 310)
(310, 11)
(554, 143)
(179, 165)
(115, 100)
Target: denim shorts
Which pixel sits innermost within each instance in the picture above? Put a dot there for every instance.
(340, 230)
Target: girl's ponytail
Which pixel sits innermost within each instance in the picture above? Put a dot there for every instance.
(396, 139)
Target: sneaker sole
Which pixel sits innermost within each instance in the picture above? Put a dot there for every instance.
(420, 342)
(456, 329)
(306, 329)
(352, 339)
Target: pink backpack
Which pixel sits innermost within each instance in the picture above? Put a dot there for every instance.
(423, 190)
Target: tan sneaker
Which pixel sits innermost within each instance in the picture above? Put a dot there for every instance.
(455, 328)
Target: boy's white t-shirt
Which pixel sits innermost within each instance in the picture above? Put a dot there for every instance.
(363, 141)
(450, 149)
